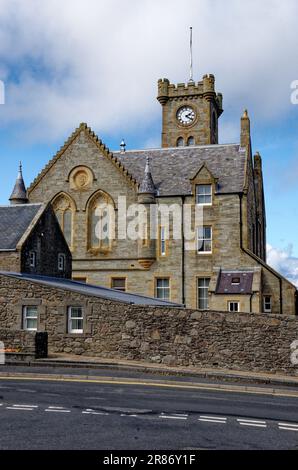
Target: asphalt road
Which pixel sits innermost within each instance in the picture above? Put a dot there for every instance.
(80, 415)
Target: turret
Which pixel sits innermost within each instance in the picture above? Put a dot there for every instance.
(146, 197)
(19, 193)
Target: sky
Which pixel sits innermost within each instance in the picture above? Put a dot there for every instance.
(98, 61)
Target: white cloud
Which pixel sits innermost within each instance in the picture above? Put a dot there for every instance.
(99, 61)
(284, 262)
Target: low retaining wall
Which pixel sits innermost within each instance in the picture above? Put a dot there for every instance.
(245, 342)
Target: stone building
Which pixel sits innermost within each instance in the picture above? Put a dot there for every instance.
(225, 269)
(31, 240)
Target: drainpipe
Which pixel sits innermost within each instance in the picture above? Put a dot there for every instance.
(183, 253)
(243, 249)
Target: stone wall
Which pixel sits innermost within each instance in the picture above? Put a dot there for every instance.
(18, 341)
(171, 336)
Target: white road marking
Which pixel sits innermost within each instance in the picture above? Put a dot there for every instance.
(250, 421)
(288, 425)
(57, 409)
(213, 417)
(254, 425)
(287, 429)
(89, 411)
(206, 420)
(130, 416)
(173, 416)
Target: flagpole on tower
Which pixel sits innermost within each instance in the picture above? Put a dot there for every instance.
(191, 62)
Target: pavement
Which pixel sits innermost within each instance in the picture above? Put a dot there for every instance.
(91, 364)
(117, 409)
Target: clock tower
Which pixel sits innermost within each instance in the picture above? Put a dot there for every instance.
(190, 112)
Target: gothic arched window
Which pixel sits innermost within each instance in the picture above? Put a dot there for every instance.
(180, 142)
(101, 222)
(64, 208)
(190, 141)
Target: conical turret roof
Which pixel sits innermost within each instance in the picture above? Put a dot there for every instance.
(19, 193)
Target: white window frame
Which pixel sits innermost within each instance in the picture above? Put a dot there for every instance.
(163, 288)
(61, 262)
(198, 186)
(234, 302)
(71, 330)
(27, 317)
(203, 288)
(204, 239)
(266, 310)
(32, 259)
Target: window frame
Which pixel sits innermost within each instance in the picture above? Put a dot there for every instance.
(117, 278)
(201, 288)
(25, 317)
(163, 248)
(162, 288)
(75, 331)
(204, 239)
(61, 256)
(198, 185)
(32, 259)
(264, 303)
(234, 302)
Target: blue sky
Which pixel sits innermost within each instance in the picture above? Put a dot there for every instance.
(98, 62)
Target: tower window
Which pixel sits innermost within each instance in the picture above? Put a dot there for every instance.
(190, 141)
(180, 142)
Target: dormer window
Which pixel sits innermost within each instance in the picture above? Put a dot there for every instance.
(204, 194)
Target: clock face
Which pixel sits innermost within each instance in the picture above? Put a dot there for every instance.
(186, 115)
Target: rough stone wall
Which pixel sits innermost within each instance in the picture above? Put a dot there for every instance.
(170, 336)
(48, 242)
(18, 340)
(10, 261)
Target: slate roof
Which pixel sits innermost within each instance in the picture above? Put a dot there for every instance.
(96, 291)
(225, 283)
(14, 221)
(173, 168)
(19, 192)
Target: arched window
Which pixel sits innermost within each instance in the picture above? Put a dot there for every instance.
(64, 208)
(101, 222)
(190, 141)
(180, 142)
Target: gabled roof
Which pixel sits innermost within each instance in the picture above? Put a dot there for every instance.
(173, 168)
(94, 291)
(101, 146)
(14, 222)
(236, 282)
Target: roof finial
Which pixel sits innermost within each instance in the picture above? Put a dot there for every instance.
(19, 193)
(123, 146)
(191, 64)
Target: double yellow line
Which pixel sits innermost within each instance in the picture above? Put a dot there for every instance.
(152, 383)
